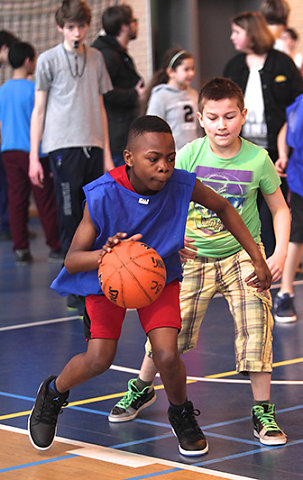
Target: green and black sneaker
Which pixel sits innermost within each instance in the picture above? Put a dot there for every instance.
(266, 428)
(132, 403)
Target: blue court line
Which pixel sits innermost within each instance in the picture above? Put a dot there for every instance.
(216, 460)
(150, 422)
(19, 397)
(35, 464)
(155, 474)
(150, 475)
(245, 454)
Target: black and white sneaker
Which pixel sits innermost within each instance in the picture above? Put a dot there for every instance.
(184, 425)
(265, 426)
(132, 403)
(42, 422)
(284, 309)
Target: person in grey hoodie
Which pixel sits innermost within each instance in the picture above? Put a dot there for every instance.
(170, 96)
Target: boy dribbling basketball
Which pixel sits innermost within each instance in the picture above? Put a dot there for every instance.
(148, 199)
(236, 169)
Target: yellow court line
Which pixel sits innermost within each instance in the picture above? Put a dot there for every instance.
(157, 387)
(277, 364)
(82, 402)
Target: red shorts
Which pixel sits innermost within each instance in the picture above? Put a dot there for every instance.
(106, 318)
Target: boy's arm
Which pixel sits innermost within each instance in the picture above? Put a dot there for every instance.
(80, 257)
(283, 150)
(281, 221)
(108, 163)
(36, 174)
(261, 279)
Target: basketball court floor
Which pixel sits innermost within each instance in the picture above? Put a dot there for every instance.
(39, 335)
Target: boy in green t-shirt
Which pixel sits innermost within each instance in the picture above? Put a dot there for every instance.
(216, 262)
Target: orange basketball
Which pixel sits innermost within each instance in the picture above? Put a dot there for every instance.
(132, 275)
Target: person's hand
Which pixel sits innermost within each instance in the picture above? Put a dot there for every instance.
(261, 277)
(281, 165)
(189, 251)
(114, 240)
(276, 265)
(35, 171)
(140, 89)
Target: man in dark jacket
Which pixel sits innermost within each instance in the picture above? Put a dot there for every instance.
(121, 103)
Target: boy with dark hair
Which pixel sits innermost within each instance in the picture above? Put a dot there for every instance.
(6, 40)
(148, 175)
(122, 103)
(16, 105)
(236, 169)
(69, 115)
(70, 118)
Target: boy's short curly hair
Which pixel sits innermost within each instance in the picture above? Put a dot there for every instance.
(219, 88)
(147, 123)
(73, 11)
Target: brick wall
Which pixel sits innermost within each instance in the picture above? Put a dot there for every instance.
(140, 49)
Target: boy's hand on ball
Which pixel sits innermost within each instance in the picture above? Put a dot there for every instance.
(115, 240)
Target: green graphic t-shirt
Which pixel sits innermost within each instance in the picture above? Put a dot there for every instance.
(238, 180)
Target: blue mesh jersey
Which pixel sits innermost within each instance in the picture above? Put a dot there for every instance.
(294, 138)
(160, 218)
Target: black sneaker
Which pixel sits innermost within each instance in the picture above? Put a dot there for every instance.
(185, 427)
(76, 302)
(42, 422)
(266, 428)
(23, 257)
(56, 256)
(284, 308)
(5, 236)
(133, 401)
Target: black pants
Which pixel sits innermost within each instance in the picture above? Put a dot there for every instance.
(73, 168)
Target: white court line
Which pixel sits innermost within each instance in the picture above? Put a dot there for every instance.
(136, 371)
(205, 379)
(120, 457)
(35, 324)
(75, 317)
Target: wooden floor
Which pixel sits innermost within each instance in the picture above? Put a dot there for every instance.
(39, 335)
(65, 460)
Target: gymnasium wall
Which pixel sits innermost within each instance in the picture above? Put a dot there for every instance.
(201, 26)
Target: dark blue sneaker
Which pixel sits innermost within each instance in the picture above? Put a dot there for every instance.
(284, 309)
(185, 427)
(42, 422)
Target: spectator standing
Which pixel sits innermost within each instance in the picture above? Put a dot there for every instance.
(290, 39)
(171, 97)
(270, 81)
(123, 102)
(276, 13)
(16, 105)
(70, 117)
(6, 40)
(291, 135)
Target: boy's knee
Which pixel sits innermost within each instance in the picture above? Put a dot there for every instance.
(98, 364)
(165, 359)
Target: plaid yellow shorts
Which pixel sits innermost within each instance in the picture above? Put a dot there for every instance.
(253, 322)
